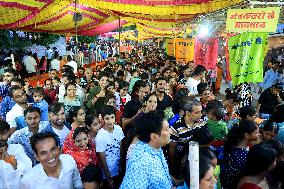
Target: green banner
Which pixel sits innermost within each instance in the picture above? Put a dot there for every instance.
(246, 55)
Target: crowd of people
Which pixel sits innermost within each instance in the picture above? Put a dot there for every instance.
(128, 125)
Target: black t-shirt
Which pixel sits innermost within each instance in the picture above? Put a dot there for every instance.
(268, 102)
(166, 102)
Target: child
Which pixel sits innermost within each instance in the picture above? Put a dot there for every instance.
(49, 91)
(134, 78)
(216, 124)
(108, 141)
(39, 102)
(94, 125)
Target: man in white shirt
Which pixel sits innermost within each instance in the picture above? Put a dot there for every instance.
(22, 136)
(198, 76)
(54, 171)
(57, 121)
(30, 64)
(14, 163)
(15, 117)
(72, 63)
(48, 54)
(55, 63)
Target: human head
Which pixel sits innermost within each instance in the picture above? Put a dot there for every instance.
(103, 80)
(4, 133)
(18, 82)
(19, 95)
(76, 114)
(48, 84)
(153, 128)
(93, 123)
(56, 114)
(69, 58)
(80, 137)
(53, 73)
(134, 73)
(248, 112)
(55, 81)
(81, 71)
(204, 91)
(70, 90)
(91, 177)
(278, 114)
(68, 78)
(261, 158)
(38, 94)
(9, 75)
(108, 115)
(207, 152)
(150, 102)
(269, 130)
(46, 148)
(110, 100)
(160, 85)
(123, 88)
(166, 72)
(192, 108)
(246, 130)
(206, 174)
(199, 71)
(142, 91)
(32, 117)
(217, 114)
(89, 72)
(203, 136)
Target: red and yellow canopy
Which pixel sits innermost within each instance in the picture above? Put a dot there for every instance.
(161, 17)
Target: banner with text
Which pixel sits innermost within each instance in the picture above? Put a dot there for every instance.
(253, 20)
(170, 49)
(184, 50)
(246, 55)
(206, 52)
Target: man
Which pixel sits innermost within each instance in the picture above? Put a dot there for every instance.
(57, 122)
(55, 170)
(8, 76)
(269, 99)
(164, 100)
(22, 136)
(183, 131)
(15, 117)
(72, 63)
(14, 163)
(48, 54)
(30, 64)
(192, 82)
(147, 166)
(55, 63)
(134, 107)
(7, 102)
(186, 74)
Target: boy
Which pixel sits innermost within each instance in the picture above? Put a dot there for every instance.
(108, 142)
(39, 102)
(134, 78)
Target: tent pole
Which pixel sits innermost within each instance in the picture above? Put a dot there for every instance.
(119, 35)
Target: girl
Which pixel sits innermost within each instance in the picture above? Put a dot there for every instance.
(122, 96)
(76, 117)
(236, 150)
(78, 145)
(93, 124)
(111, 101)
(269, 131)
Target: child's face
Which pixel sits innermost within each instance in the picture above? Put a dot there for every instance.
(96, 125)
(268, 135)
(48, 84)
(55, 83)
(89, 73)
(52, 74)
(109, 120)
(135, 74)
(111, 102)
(81, 71)
(111, 89)
(37, 97)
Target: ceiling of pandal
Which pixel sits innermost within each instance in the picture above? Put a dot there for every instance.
(152, 17)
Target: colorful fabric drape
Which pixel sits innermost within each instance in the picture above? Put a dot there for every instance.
(246, 55)
(206, 52)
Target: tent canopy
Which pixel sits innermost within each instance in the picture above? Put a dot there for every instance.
(100, 16)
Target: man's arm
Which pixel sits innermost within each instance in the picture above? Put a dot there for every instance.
(102, 156)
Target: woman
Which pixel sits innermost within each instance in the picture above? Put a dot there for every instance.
(206, 175)
(42, 65)
(78, 145)
(269, 131)
(261, 159)
(76, 117)
(94, 125)
(70, 99)
(236, 150)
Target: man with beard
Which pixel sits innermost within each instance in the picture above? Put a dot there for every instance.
(164, 100)
(8, 76)
(14, 163)
(57, 121)
(55, 170)
(22, 136)
(15, 117)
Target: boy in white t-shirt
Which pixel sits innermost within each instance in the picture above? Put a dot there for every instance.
(108, 142)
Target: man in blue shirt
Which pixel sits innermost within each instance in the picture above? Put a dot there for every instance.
(147, 166)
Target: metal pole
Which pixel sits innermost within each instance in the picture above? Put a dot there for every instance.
(76, 28)
(119, 35)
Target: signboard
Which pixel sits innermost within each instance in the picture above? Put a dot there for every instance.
(253, 20)
(170, 49)
(246, 55)
(184, 50)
